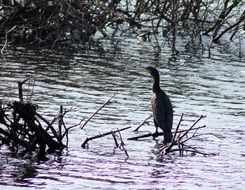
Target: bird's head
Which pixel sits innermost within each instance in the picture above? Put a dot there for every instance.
(153, 71)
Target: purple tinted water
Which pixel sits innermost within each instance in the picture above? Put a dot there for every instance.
(196, 85)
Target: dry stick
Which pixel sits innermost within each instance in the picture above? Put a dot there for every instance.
(153, 134)
(177, 140)
(194, 128)
(142, 123)
(59, 137)
(49, 125)
(161, 133)
(144, 136)
(193, 135)
(20, 83)
(174, 140)
(197, 152)
(177, 128)
(115, 140)
(122, 145)
(194, 150)
(102, 135)
(185, 133)
(98, 111)
(57, 117)
(65, 128)
(60, 122)
(6, 41)
(32, 90)
(68, 128)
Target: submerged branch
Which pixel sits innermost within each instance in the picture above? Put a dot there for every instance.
(102, 135)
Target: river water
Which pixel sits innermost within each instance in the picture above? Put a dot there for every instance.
(196, 84)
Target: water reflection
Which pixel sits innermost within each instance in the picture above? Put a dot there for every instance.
(196, 85)
(23, 172)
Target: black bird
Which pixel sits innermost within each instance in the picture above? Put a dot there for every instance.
(161, 107)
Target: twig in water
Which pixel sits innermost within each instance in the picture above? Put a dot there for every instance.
(115, 140)
(20, 90)
(102, 135)
(179, 139)
(177, 128)
(122, 145)
(68, 128)
(194, 128)
(154, 135)
(97, 111)
(49, 125)
(173, 142)
(186, 132)
(145, 121)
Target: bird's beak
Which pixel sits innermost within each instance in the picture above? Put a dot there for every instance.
(146, 70)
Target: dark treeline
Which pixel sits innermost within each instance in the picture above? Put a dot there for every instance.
(53, 23)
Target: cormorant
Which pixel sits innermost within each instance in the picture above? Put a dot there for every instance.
(161, 107)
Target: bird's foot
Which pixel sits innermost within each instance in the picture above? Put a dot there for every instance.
(155, 135)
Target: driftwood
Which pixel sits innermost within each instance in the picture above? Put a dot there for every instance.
(180, 138)
(23, 128)
(26, 130)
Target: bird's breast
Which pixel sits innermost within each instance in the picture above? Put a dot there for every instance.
(154, 103)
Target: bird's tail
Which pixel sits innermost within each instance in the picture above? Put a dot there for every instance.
(168, 136)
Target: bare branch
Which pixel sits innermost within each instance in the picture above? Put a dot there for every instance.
(102, 135)
(6, 40)
(178, 138)
(144, 122)
(108, 101)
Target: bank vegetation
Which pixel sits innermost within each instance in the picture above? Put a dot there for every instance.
(83, 23)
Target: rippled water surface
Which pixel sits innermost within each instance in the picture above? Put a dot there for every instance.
(196, 85)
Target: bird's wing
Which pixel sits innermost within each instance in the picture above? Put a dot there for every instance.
(163, 111)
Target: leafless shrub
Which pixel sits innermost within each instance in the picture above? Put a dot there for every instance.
(53, 23)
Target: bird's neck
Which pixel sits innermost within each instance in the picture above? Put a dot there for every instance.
(156, 84)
